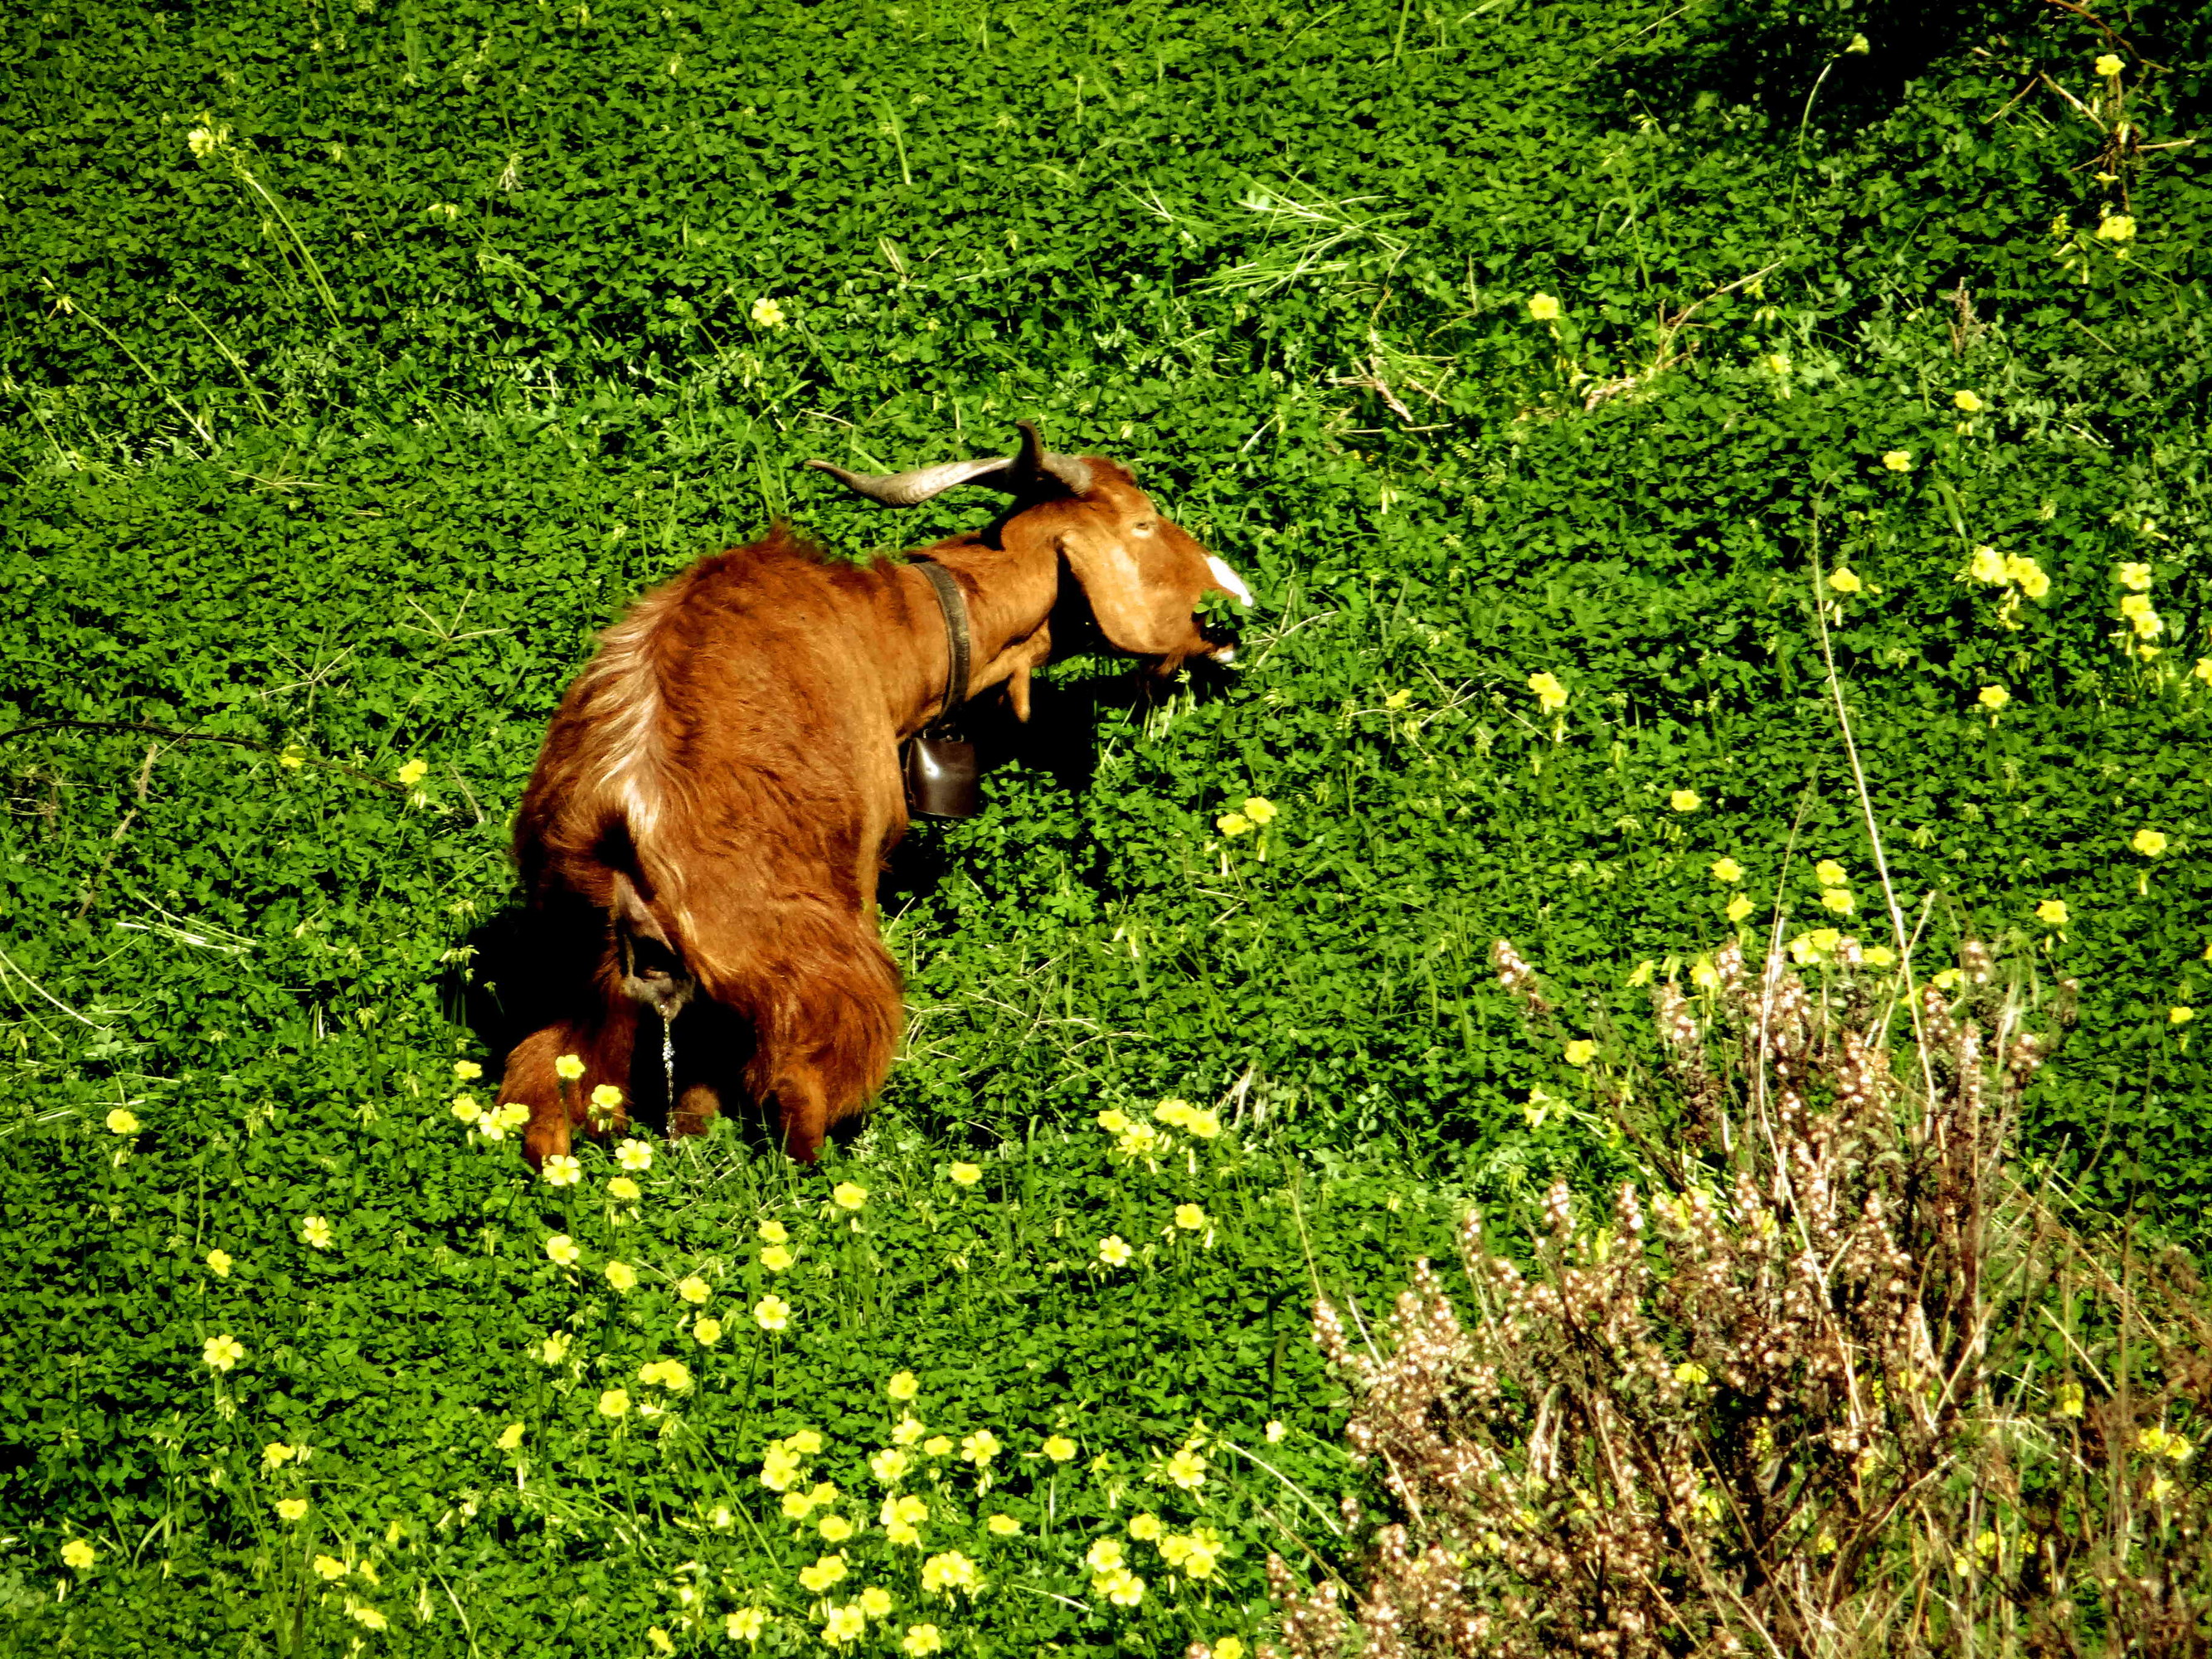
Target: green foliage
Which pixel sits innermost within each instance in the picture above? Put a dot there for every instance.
(363, 361)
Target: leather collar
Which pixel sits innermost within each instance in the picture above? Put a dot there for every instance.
(954, 605)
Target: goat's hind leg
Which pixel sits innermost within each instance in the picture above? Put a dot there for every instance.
(827, 1044)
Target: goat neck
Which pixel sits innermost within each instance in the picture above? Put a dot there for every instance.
(1009, 589)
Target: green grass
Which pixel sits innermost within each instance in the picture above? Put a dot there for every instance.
(334, 435)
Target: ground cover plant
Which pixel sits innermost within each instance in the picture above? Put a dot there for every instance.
(1562, 377)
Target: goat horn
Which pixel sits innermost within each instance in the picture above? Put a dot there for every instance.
(912, 489)
(1033, 464)
(1030, 473)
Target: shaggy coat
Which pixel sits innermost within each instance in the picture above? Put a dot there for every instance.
(721, 786)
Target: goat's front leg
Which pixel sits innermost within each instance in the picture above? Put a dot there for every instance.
(561, 1105)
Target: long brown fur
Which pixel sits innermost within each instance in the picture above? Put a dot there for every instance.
(721, 786)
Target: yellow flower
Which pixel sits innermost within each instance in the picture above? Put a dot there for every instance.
(561, 1171)
(826, 1570)
(693, 1289)
(1693, 1373)
(848, 1196)
(1683, 800)
(606, 1097)
(466, 1070)
(275, 1455)
(1204, 1123)
(623, 1188)
(2149, 842)
(1829, 873)
(78, 1556)
(635, 1155)
(921, 1639)
(1233, 824)
(412, 772)
(661, 1640)
(1837, 899)
(1191, 1218)
(1187, 1469)
(1705, 975)
(1580, 1052)
(2204, 670)
(1120, 1587)
(890, 1465)
(1969, 402)
(614, 1402)
(1898, 460)
(1397, 699)
(1229, 1648)
(1738, 907)
(291, 1509)
(906, 1511)
(2134, 576)
(2050, 911)
(2070, 1400)
(2107, 64)
(1543, 309)
(875, 1601)
(1275, 1432)
(1105, 1554)
(122, 1122)
(980, 1447)
(222, 1351)
(1142, 1528)
(937, 1445)
(1880, 956)
(776, 1257)
(464, 1107)
(772, 1232)
(1059, 1448)
(218, 1263)
(1988, 566)
(943, 1574)
(834, 1528)
(2028, 573)
(293, 758)
(563, 1250)
(707, 1332)
(2159, 1490)
(1777, 362)
(1994, 697)
(316, 1231)
(622, 1275)
(555, 1348)
(1845, 581)
(1113, 1250)
(1002, 1526)
(568, 1066)
(510, 1437)
(1950, 978)
(1551, 695)
(2116, 227)
(772, 1313)
(1259, 810)
(330, 1569)
(1726, 870)
(2179, 1014)
(903, 1386)
(672, 1374)
(1113, 1121)
(766, 314)
(966, 1175)
(745, 1624)
(908, 1429)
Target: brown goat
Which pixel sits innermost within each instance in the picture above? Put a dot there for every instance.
(721, 784)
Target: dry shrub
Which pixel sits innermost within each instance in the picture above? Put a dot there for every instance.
(1836, 1383)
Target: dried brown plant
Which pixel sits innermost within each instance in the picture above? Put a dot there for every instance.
(1834, 1382)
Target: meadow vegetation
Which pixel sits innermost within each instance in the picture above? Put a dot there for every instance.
(1601, 399)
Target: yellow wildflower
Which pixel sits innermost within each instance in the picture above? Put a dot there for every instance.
(568, 1066)
(826, 1570)
(2107, 64)
(1988, 566)
(1845, 581)
(563, 1250)
(848, 1196)
(1738, 907)
(966, 1175)
(1543, 309)
(122, 1121)
(1580, 1052)
(1191, 1218)
(2116, 227)
(1113, 1250)
(561, 1171)
(1551, 695)
(707, 1332)
(766, 314)
(1002, 1526)
(745, 1624)
(943, 1574)
(2051, 912)
(2149, 842)
(921, 1639)
(291, 1509)
(1898, 460)
(1259, 810)
(1837, 899)
(1726, 870)
(412, 772)
(1994, 697)
(1683, 800)
(773, 1232)
(772, 1313)
(466, 1070)
(218, 1262)
(2135, 577)
(1968, 401)
(510, 1437)
(330, 1569)
(1830, 873)
(903, 1385)
(78, 1556)
(1233, 824)
(981, 1447)
(1059, 1448)
(2180, 1014)
(222, 1351)
(622, 1275)
(614, 1402)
